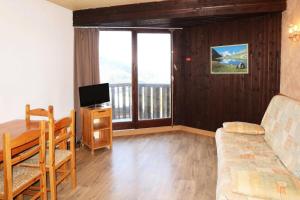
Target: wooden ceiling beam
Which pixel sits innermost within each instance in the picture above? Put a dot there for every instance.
(178, 9)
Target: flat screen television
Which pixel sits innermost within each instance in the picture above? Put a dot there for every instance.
(94, 95)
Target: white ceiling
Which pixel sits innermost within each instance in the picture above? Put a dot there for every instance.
(85, 4)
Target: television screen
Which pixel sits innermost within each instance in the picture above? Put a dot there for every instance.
(94, 94)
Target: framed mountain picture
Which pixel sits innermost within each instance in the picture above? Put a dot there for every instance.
(229, 59)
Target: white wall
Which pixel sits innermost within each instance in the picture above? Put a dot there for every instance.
(36, 57)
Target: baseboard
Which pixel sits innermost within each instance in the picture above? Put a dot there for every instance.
(198, 131)
(162, 129)
(143, 131)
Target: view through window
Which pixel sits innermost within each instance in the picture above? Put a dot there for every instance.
(152, 82)
(154, 75)
(115, 68)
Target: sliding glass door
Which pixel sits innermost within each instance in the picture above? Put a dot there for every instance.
(137, 65)
(115, 57)
(154, 75)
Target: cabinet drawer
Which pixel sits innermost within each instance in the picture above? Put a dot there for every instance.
(98, 114)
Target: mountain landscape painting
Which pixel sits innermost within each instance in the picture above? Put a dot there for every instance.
(230, 59)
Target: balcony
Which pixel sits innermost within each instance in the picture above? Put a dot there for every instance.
(154, 101)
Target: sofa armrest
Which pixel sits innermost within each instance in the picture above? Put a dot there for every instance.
(244, 128)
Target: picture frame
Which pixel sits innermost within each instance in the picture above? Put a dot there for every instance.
(229, 59)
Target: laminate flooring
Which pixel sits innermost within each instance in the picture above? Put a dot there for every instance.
(166, 166)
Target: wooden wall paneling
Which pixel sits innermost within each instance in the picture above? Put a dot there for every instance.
(209, 100)
(178, 95)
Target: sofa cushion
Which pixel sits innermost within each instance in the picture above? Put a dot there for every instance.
(244, 128)
(282, 131)
(237, 152)
(266, 185)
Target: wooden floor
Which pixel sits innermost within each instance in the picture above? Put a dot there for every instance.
(149, 167)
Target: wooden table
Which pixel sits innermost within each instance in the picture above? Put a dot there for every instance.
(16, 128)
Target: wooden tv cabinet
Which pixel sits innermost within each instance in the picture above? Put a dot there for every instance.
(96, 126)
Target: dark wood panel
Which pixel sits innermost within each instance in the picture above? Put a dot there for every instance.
(204, 100)
(167, 13)
(179, 77)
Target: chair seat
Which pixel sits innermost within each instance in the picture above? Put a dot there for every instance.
(60, 155)
(21, 176)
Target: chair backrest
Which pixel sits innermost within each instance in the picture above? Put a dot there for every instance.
(38, 112)
(22, 144)
(60, 133)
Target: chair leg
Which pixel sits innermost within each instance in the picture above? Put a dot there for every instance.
(43, 186)
(73, 171)
(52, 177)
(64, 167)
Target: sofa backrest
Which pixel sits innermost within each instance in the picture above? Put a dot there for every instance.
(282, 131)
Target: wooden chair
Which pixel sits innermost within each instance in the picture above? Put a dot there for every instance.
(38, 112)
(57, 155)
(15, 179)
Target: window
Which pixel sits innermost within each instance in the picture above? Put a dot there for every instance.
(154, 75)
(115, 68)
(137, 65)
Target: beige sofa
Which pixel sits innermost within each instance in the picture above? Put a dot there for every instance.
(257, 167)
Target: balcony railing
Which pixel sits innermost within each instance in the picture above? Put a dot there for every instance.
(154, 101)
